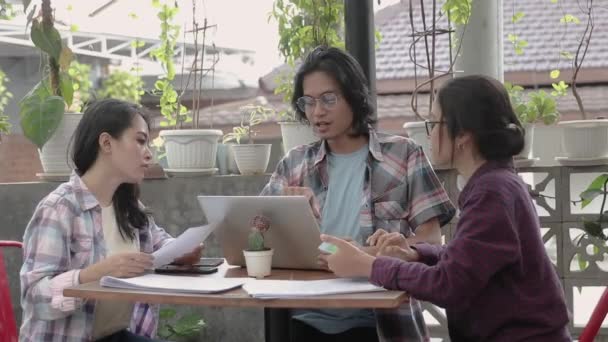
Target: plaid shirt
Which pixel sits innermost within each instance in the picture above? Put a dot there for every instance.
(64, 236)
(401, 192)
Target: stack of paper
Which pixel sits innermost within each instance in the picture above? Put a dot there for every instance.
(267, 289)
(167, 283)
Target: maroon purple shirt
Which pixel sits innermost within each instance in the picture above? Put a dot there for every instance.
(494, 278)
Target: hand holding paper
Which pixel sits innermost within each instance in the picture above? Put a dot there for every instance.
(186, 243)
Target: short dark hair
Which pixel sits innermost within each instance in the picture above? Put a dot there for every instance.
(113, 117)
(480, 106)
(348, 74)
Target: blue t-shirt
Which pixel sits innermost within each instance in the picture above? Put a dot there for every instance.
(341, 218)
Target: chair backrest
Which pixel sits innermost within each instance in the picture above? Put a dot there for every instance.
(597, 317)
(8, 325)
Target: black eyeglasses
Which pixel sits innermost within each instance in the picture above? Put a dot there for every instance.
(307, 104)
(429, 125)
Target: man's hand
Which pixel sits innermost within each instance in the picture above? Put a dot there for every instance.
(349, 261)
(307, 192)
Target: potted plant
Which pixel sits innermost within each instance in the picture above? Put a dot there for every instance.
(437, 22)
(258, 257)
(5, 96)
(303, 25)
(582, 140)
(538, 107)
(122, 85)
(179, 327)
(594, 229)
(250, 158)
(193, 149)
(44, 119)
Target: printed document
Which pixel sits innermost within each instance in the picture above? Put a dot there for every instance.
(169, 283)
(185, 243)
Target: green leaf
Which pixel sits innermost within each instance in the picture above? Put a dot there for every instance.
(517, 17)
(554, 1)
(554, 74)
(566, 55)
(46, 39)
(167, 313)
(589, 195)
(65, 58)
(40, 114)
(67, 88)
(594, 229)
(582, 264)
(74, 28)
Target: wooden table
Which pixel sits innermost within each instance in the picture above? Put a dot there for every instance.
(276, 319)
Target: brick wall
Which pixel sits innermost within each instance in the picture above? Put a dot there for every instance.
(19, 161)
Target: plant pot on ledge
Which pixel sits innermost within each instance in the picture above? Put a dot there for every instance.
(191, 149)
(259, 263)
(252, 159)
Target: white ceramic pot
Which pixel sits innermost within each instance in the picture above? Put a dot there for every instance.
(547, 144)
(295, 134)
(417, 131)
(259, 263)
(251, 159)
(54, 156)
(528, 142)
(585, 138)
(191, 148)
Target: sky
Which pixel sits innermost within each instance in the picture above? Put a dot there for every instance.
(242, 24)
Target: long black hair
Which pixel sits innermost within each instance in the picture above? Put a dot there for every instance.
(113, 117)
(480, 106)
(347, 72)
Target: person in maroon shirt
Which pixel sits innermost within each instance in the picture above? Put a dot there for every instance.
(494, 277)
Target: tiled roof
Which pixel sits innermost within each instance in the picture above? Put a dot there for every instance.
(398, 106)
(540, 27)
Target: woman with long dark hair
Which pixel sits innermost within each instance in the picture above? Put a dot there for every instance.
(494, 277)
(94, 226)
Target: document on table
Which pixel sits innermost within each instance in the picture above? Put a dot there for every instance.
(169, 283)
(267, 289)
(185, 243)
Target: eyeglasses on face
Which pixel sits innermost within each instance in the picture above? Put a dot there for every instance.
(307, 104)
(429, 125)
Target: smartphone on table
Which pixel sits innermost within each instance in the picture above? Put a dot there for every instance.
(210, 262)
(185, 269)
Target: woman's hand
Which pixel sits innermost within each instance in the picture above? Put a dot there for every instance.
(349, 261)
(307, 192)
(122, 265)
(395, 245)
(190, 258)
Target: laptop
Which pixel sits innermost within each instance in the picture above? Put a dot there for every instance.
(294, 233)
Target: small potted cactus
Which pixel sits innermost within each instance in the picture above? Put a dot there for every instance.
(258, 257)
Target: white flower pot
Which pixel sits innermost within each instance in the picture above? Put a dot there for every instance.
(259, 263)
(547, 144)
(417, 132)
(54, 156)
(295, 134)
(528, 142)
(252, 159)
(585, 138)
(191, 148)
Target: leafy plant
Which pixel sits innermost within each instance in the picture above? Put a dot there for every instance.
(122, 85)
(5, 96)
(453, 12)
(7, 11)
(304, 25)
(259, 225)
(173, 111)
(598, 187)
(172, 326)
(255, 115)
(539, 106)
(80, 75)
(42, 108)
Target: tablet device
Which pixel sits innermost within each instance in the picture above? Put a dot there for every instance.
(293, 235)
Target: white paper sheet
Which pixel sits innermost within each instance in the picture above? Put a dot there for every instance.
(267, 289)
(169, 283)
(185, 243)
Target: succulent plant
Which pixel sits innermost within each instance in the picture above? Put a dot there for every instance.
(259, 225)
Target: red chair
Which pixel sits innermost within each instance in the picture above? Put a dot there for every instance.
(597, 317)
(8, 325)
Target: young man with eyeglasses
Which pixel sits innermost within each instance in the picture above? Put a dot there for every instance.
(362, 185)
